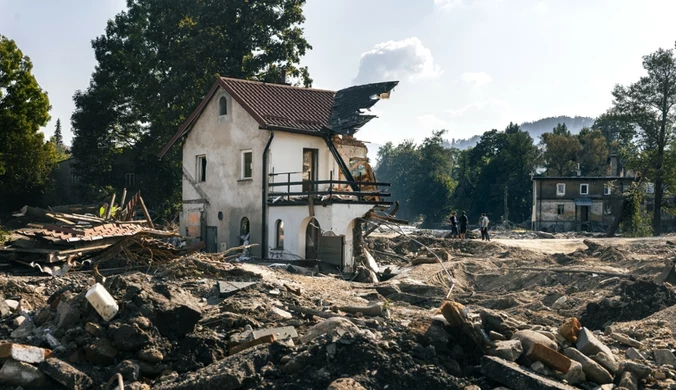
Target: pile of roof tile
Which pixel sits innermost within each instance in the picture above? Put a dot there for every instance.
(56, 242)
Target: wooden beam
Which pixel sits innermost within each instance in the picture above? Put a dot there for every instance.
(145, 212)
(110, 207)
(194, 185)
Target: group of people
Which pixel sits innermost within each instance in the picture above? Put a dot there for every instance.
(459, 226)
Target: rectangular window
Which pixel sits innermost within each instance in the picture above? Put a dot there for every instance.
(650, 188)
(584, 189)
(129, 180)
(201, 168)
(559, 209)
(560, 189)
(607, 189)
(247, 164)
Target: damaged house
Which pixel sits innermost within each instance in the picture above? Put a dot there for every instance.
(278, 166)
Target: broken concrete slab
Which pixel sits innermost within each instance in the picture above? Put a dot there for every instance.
(23, 353)
(575, 374)
(607, 362)
(332, 326)
(279, 313)
(634, 354)
(628, 380)
(287, 332)
(509, 350)
(65, 374)
(664, 357)
(227, 288)
(592, 370)
(589, 345)
(4, 307)
(626, 340)
(15, 373)
(641, 370)
(516, 378)
(529, 338)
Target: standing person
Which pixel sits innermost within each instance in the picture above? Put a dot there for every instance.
(454, 225)
(483, 224)
(463, 225)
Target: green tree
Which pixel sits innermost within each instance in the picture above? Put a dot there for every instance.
(156, 61)
(648, 105)
(593, 156)
(561, 150)
(25, 159)
(618, 133)
(58, 136)
(397, 165)
(434, 185)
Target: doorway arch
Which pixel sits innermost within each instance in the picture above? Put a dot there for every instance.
(312, 234)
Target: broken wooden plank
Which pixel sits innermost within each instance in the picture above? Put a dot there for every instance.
(145, 211)
(121, 209)
(227, 288)
(111, 206)
(246, 345)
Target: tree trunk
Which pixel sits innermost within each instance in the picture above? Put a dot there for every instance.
(506, 210)
(657, 212)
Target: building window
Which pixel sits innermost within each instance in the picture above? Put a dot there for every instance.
(279, 235)
(560, 189)
(650, 188)
(584, 189)
(201, 168)
(222, 106)
(247, 164)
(129, 180)
(244, 231)
(559, 209)
(607, 189)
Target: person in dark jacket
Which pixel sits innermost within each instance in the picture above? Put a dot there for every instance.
(463, 225)
(454, 225)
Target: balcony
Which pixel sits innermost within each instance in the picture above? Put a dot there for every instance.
(289, 188)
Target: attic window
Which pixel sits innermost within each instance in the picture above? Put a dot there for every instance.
(222, 106)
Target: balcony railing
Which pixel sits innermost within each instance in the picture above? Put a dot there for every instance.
(292, 190)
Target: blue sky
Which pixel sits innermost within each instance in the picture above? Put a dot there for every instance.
(464, 65)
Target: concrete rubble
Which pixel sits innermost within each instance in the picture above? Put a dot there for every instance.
(199, 321)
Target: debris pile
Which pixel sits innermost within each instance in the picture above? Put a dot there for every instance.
(55, 242)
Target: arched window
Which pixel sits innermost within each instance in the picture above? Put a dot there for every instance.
(279, 236)
(222, 106)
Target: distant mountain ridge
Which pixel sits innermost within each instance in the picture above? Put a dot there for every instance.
(535, 129)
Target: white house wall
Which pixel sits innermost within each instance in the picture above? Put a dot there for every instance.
(286, 155)
(337, 219)
(222, 139)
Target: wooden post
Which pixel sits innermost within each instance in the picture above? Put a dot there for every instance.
(124, 197)
(110, 207)
(145, 211)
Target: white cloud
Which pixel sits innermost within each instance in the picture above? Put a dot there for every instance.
(542, 7)
(478, 117)
(477, 79)
(494, 106)
(432, 122)
(405, 59)
(447, 4)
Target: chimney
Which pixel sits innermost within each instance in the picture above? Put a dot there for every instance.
(579, 171)
(282, 76)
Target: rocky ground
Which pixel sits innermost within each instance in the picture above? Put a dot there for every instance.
(591, 305)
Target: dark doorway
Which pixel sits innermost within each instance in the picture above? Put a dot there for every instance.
(584, 213)
(331, 253)
(310, 169)
(312, 234)
(212, 239)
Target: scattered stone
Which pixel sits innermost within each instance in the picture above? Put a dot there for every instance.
(510, 374)
(18, 321)
(65, 374)
(509, 350)
(641, 370)
(592, 370)
(560, 303)
(660, 375)
(15, 373)
(626, 340)
(67, 315)
(332, 326)
(541, 369)
(94, 329)
(4, 307)
(227, 288)
(575, 373)
(438, 337)
(570, 329)
(345, 384)
(177, 311)
(633, 354)
(24, 330)
(23, 353)
(128, 337)
(101, 353)
(589, 345)
(277, 312)
(664, 357)
(529, 338)
(151, 355)
(287, 332)
(629, 381)
(13, 304)
(607, 362)
(129, 370)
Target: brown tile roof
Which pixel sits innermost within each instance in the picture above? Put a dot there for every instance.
(276, 105)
